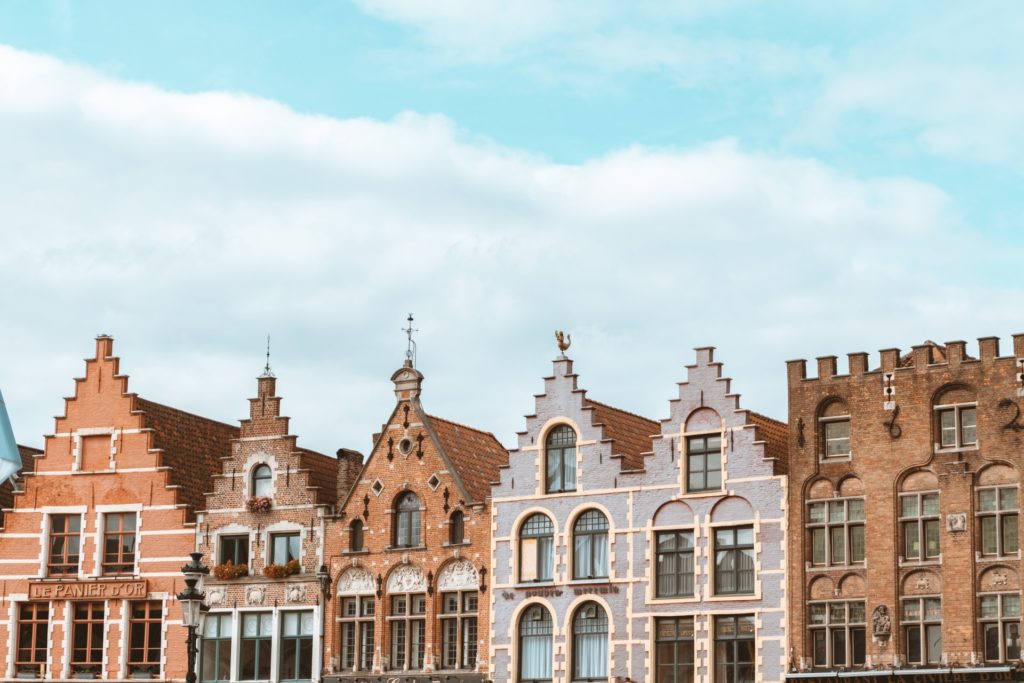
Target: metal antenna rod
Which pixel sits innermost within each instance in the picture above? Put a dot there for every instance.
(266, 369)
(410, 351)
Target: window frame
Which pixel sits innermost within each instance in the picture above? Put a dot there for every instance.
(704, 452)
(465, 630)
(595, 534)
(149, 620)
(354, 655)
(557, 442)
(1005, 519)
(523, 631)
(1001, 621)
(734, 643)
(847, 525)
(600, 619)
(677, 643)
(547, 558)
(356, 541)
(257, 479)
(957, 410)
(258, 648)
(410, 620)
(123, 560)
(920, 523)
(240, 541)
(736, 549)
(413, 523)
(680, 553)
(298, 643)
(921, 628)
(848, 627)
(35, 616)
(457, 528)
(288, 537)
(216, 642)
(824, 424)
(66, 567)
(93, 628)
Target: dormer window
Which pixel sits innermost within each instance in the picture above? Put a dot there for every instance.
(560, 453)
(262, 482)
(958, 426)
(407, 521)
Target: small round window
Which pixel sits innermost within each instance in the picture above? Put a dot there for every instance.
(405, 446)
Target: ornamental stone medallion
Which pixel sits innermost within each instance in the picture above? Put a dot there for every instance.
(458, 575)
(295, 592)
(407, 579)
(216, 596)
(255, 595)
(956, 522)
(355, 581)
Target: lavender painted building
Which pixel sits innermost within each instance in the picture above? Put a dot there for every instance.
(628, 550)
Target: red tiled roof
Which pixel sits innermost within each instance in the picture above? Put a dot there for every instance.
(323, 474)
(630, 433)
(192, 447)
(476, 455)
(28, 464)
(775, 434)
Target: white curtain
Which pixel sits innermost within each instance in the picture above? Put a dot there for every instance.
(601, 555)
(536, 658)
(546, 553)
(591, 655)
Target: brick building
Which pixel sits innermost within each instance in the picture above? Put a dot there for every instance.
(7, 488)
(903, 521)
(92, 549)
(262, 531)
(631, 550)
(410, 547)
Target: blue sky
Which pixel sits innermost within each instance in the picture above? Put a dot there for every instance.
(778, 179)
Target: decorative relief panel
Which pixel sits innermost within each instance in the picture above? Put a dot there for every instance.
(295, 592)
(255, 595)
(216, 596)
(457, 576)
(355, 581)
(407, 579)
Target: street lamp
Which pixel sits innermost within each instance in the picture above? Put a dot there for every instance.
(192, 610)
(323, 576)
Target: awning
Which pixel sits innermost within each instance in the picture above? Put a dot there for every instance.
(991, 674)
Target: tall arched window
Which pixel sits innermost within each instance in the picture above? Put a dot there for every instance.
(262, 481)
(590, 643)
(355, 535)
(561, 459)
(590, 546)
(456, 528)
(407, 521)
(537, 549)
(535, 631)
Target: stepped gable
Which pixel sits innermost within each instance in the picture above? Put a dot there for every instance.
(323, 474)
(775, 435)
(192, 449)
(475, 455)
(630, 434)
(28, 465)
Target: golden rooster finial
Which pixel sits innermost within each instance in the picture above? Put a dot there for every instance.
(564, 341)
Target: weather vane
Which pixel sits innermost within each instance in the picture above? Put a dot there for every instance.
(410, 351)
(564, 341)
(266, 368)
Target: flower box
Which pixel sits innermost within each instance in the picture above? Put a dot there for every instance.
(229, 570)
(259, 504)
(280, 571)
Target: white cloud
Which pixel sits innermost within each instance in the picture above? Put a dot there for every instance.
(189, 226)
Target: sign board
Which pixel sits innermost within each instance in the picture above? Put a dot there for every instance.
(87, 590)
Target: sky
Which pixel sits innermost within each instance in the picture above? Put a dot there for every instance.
(777, 180)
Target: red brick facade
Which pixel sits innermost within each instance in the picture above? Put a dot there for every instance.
(409, 578)
(93, 548)
(903, 514)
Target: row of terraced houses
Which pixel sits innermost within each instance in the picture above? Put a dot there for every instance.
(873, 536)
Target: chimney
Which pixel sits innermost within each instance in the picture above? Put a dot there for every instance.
(350, 464)
(104, 346)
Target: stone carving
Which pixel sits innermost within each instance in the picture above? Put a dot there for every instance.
(255, 595)
(881, 622)
(407, 579)
(999, 578)
(956, 522)
(923, 583)
(296, 592)
(457, 576)
(355, 581)
(216, 596)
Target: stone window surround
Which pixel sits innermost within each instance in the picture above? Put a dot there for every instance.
(101, 513)
(937, 428)
(755, 525)
(684, 461)
(44, 547)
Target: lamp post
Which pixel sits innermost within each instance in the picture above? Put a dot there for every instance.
(324, 578)
(192, 611)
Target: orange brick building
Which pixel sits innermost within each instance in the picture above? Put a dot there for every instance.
(262, 533)
(905, 560)
(410, 549)
(92, 549)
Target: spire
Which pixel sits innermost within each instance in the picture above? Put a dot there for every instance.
(410, 351)
(267, 372)
(408, 379)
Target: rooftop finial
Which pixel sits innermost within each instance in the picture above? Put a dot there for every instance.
(410, 351)
(563, 340)
(266, 369)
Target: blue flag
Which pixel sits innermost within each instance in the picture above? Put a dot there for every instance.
(10, 458)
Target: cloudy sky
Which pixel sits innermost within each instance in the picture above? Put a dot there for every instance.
(779, 180)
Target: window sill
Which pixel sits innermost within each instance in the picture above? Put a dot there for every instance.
(997, 558)
(589, 581)
(835, 567)
(673, 599)
(364, 551)
(454, 545)
(527, 585)
(825, 459)
(939, 450)
(403, 549)
(929, 562)
(704, 493)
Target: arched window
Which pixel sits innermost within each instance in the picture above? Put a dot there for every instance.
(262, 481)
(590, 546)
(456, 528)
(590, 643)
(537, 549)
(535, 631)
(407, 521)
(355, 535)
(561, 459)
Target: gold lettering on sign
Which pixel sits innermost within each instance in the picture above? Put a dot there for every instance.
(87, 590)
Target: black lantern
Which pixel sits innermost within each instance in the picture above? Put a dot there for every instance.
(193, 611)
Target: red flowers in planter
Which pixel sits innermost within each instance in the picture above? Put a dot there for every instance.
(259, 504)
(229, 570)
(280, 571)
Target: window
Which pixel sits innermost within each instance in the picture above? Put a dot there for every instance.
(838, 634)
(836, 433)
(459, 630)
(1000, 627)
(704, 463)
(408, 631)
(285, 547)
(87, 639)
(263, 481)
(537, 549)
(590, 643)
(33, 632)
(215, 664)
(673, 650)
(65, 544)
(535, 631)
(836, 530)
(355, 536)
(561, 459)
(457, 528)
(296, 646)
(590, 546)
(234, 549)
(674, 573)
(119, 543)
(734, 649)
(997, 514)
(919, 519)
(357, 617)
(734, 560)
(254, 649)
(922, 630)
(407, 521)
(144, 629)
(958, 426)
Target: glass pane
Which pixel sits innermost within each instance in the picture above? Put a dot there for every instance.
(931, 534)
(817, 614)
(911, 541)
(930, 504)
(1009, 534)
(836, 511)
(1011, 605)
(947, 427)
(856, 612)
(989, 607)
(837, 613)
(987, 500)
(818, 546)
(816, 513)
(1008, 499)
(855, 510)
(989, 539)
(968, 423)
(908, 506)
(911, 610)
(838, 545)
